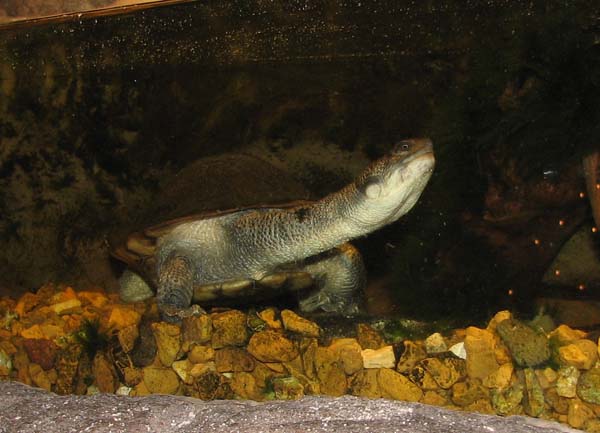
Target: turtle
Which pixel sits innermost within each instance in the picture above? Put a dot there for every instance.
(261, 250)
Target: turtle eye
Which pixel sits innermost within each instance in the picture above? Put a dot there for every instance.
(402, 146)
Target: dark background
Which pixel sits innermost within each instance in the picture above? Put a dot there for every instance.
(97, 113)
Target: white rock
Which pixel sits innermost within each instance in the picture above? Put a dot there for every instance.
(435, 344)
(459, 350)
(123, 390)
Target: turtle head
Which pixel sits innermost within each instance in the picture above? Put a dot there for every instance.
(391, 186)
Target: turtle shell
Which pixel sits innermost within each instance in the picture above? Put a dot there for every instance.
(208, 188)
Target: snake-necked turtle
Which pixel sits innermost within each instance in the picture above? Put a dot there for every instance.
(238, 253)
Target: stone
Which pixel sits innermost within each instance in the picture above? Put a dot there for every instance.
(547, 377)
(396, 386)
(41, 351)
(294, 323)
(365, 384)
(263, 375)
(66, 306)
(468, 392)
(96, 299)
(168, 341)
(182, 368)
(499, 379)
(422, 378)
(132, 376)
(127, 337)
(196, 330)
(566, 382)
(380, 358)
(444, 372)
(481, 357)
(579, 413)
(39, 377)
(211, 386)
(533, 396)
(198, 370)
(435, 344)
(67, 363)
(5, 363)
(581, 354)
(588, 386)
(104, 374)
(527, 346)
(160, 380)
(413, 354)
(564, 334)
(592, 425)
(26, 303)
(229, 329)
(244, 386)
(308, 358)
(43, 331)
(200, 354)
(287, 388)
(271, 346)
(233, 359)
(368, 337)
(294, 367)
(348, 352)
(120, 317)
(459, 351)
(330, 373)
(269, 316)
(558, 403)
(434, 398)
(498, 317)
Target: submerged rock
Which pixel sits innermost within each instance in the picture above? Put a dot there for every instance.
(23, 408)
(527, 346)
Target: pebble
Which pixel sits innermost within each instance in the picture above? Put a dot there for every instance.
(481, 356)
(160, 380)
(527, 346)
(271, 346)
(396, 386)
(229, 329)
(566, 383)
(168, 341)
(435, 344)
(368, 337)
(380, 358)
(588, 386)
(294, 323)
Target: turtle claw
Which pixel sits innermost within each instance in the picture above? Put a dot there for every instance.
(174, 314)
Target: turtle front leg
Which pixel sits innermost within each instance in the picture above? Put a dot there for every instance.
(175, 289)
(340, 278)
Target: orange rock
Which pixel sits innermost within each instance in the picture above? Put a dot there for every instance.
(121, 317)
(41, 351)
(66, 306)
(26, 303)
(96, 299)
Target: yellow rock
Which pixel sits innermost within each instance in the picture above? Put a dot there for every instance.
(244, 386)
(105, 374)
(565, 335)
(229, 329)
(434, 398)
(330, 373)
(26, 303)
(48, 332)
(481, 354)
(183, 368)
(96, 299)
(270, 319)
(271, 346)
(499, 379)
(168, 341)
(65, 295)
(294, 323)
(380, 358)
(198, 370)
(579, 413)
(233, 359)
(39, 377)
(160, 380)
(121, 317)
(140, 390)
(581, 354)
(348, 352)
(200, 354)
(127, 337)
(547, 377)
(365, 384)
(498, 317)
(396, 386)
(196, 330)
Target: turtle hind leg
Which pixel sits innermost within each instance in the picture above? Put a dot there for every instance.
(340, 279)
(175, 289)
